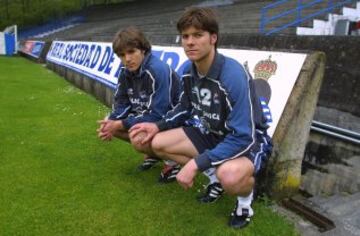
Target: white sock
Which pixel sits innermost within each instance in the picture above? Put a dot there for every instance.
(245, 202)
(210, 173)
(170, 162)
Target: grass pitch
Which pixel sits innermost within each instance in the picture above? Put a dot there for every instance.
(58, 178)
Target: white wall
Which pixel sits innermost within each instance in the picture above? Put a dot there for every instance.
(2, 44)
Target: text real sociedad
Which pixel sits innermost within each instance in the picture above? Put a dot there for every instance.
(102, 57)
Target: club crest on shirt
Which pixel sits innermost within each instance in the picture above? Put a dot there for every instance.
(216, 99)
(142, 94)
(130, 91)
(194, 90)
(200, 123)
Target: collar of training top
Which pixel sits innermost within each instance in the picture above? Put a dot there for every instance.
(215, 68)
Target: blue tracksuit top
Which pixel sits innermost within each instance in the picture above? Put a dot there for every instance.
(147, 94)
(223, 103)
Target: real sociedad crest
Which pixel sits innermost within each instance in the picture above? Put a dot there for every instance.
(263, 70)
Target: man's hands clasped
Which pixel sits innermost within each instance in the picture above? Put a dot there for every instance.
(108, 128)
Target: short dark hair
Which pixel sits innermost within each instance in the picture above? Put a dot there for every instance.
(130, 37)
(203, 18)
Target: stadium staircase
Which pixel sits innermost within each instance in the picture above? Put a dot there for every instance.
(329, 26)
(282, 16)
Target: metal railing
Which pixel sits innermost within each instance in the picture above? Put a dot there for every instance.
(337, 132)
(298, 12)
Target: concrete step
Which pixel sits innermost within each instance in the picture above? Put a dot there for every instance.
(334, 202)
(344, 210)
(340, 178)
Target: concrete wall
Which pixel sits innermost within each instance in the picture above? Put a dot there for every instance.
(101, 92)
(341, 86)
(330, 166)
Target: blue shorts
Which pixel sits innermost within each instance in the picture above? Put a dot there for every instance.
(258, 154)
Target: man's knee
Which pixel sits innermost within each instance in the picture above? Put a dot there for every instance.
(137, 146)
(236, 177)
(157, 144)
(136, 143)
(229, 175)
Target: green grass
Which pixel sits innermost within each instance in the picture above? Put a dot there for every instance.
(58, 178)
